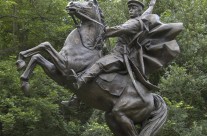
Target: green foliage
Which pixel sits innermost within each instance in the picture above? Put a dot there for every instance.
(29, 116)
(40, 114)
(180, 122)
(187, 106)
(184, 83)
(24, 24)
(96, 125)
(179, 85)
(96, 129)
(111, 8)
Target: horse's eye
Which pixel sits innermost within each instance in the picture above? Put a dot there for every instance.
(90, 4)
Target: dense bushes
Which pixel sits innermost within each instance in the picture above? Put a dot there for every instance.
(183, 84)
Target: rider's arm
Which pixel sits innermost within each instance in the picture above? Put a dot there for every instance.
(130, 27)
(150, 8)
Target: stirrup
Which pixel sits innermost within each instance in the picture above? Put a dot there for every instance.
(77, 82)
(73, 75)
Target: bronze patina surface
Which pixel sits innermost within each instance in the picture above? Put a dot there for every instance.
(116, 83)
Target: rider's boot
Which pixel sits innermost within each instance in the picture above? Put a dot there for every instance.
(89, 74)
(80, 82)
(74, 101)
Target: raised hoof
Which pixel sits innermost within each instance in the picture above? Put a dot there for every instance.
(25, 88)
(65, 103)
(20, 64)
(73, 103)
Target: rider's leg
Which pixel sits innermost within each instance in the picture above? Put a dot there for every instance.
(106, 64)
(74, 101)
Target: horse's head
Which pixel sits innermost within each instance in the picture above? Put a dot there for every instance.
(85, 10)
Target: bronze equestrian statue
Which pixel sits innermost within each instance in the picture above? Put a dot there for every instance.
(116, 83)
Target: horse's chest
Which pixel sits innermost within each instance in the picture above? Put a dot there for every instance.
(75, 49)
(78, 56)
(88, 35)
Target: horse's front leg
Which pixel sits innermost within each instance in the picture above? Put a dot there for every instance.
(49, 68)
(59, 60)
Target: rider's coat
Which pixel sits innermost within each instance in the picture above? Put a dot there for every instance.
(156, 40)
(149, 45)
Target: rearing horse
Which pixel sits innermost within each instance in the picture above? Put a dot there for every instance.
(81, 49)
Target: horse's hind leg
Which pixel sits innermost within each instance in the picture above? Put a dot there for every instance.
(58, 60)
(119, 123)
(128, 110)
(113, 125)
(47, 66)
(125, 123)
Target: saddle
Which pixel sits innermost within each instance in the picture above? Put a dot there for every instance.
(114, 83)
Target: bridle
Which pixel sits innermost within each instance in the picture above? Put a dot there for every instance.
(99, 38)
(89, 18)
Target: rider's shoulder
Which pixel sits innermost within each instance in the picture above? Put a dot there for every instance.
(131, 21)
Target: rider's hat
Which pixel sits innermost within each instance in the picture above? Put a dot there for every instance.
(135, 3)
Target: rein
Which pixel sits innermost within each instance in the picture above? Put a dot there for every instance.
(89, 18)
(99, 37)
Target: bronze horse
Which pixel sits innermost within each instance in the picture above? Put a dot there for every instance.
(81, 49)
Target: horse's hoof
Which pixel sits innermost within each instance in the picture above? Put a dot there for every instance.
(25, 88)
(71, 104)
(65, 103)
(20, 64)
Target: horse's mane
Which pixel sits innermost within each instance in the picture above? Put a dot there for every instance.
(101, 15)
(100, 42)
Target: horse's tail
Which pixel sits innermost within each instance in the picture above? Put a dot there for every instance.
(157, 118)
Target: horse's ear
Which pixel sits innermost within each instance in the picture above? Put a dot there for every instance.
(95, 2)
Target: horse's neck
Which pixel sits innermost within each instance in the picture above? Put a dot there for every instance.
(89, 32)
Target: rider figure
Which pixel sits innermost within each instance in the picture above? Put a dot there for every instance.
(114, 61)
(148, 44)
